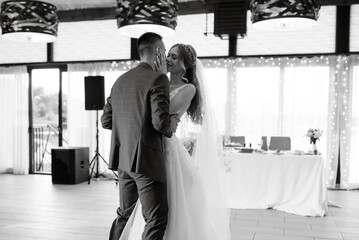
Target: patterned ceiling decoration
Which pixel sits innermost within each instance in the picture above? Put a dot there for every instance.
(34, 21)
(148, 15)
(263, 10)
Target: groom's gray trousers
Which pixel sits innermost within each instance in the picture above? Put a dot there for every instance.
(153, 197)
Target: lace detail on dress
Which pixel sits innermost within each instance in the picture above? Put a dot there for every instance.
(171, 143)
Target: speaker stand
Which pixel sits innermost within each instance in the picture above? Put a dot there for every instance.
(95, 159)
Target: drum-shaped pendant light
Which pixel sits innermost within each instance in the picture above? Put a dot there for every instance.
(135, 17)
(284, 14)
(31, 21)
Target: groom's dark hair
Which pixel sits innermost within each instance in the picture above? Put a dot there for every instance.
(146, 42)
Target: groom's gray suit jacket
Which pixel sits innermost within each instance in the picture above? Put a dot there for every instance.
(137, 111)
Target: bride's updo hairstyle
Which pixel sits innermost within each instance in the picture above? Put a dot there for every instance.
(189, 56)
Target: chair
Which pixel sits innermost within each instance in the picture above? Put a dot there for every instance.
(237, 139)
(264, 144)
(280, 143)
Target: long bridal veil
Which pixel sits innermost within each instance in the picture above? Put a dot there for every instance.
(209, 159)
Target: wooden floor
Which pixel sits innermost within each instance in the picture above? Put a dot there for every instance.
(32, 208)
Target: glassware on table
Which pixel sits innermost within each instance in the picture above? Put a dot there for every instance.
(226, 140)
(268, 141)
(226, 143)
(260, 144)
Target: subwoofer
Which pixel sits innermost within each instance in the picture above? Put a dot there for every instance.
(94, 92)
(70, 165)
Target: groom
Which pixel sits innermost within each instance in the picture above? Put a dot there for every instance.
(137, 112)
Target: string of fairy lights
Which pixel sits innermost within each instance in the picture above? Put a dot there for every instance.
(340, 98)
(342, 73)
(338, 130)
(334, 124)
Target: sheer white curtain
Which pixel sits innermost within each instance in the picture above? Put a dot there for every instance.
(281, 97)
(343, 122)
(347, 93)
(286, 96)
(14, 121)
(81, 122)
(258, 97)
(216, 80)
(354, 127)
(305, 104)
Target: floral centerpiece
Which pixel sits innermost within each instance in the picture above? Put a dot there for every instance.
(314, 135)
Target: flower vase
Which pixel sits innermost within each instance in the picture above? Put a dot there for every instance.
(314, 148)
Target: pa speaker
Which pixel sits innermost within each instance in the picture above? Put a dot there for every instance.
(70, 165)
(230, 18)
(94, 93)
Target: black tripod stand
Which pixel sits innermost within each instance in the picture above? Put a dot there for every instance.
(95, 159)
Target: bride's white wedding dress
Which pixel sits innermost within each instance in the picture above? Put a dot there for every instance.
(187, 205)
(193, 213)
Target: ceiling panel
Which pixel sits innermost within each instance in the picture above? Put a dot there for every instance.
(63, 5)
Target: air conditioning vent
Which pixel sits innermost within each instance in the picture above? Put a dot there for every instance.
(230, 18)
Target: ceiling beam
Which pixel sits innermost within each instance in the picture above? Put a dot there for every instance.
(86, 14)
(184, 8)
(339, 2)
(342, 42)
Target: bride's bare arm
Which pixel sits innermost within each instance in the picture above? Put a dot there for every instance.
(182, 100)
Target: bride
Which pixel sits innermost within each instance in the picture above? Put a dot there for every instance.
(197, 206)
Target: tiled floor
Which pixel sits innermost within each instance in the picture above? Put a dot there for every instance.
(32, 208)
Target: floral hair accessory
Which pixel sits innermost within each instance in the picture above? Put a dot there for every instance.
(191, 54)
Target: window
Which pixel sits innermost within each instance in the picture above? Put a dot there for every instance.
(191, 29)
(280, 97)
(24, 52)
(90, 40)
(257, 92)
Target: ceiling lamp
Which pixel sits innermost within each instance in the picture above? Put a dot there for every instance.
(30, 21)
(284, 14)
(135, 17)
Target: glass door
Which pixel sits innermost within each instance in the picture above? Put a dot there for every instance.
(45, 117)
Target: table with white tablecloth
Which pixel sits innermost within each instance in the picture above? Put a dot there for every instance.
(286, 182)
